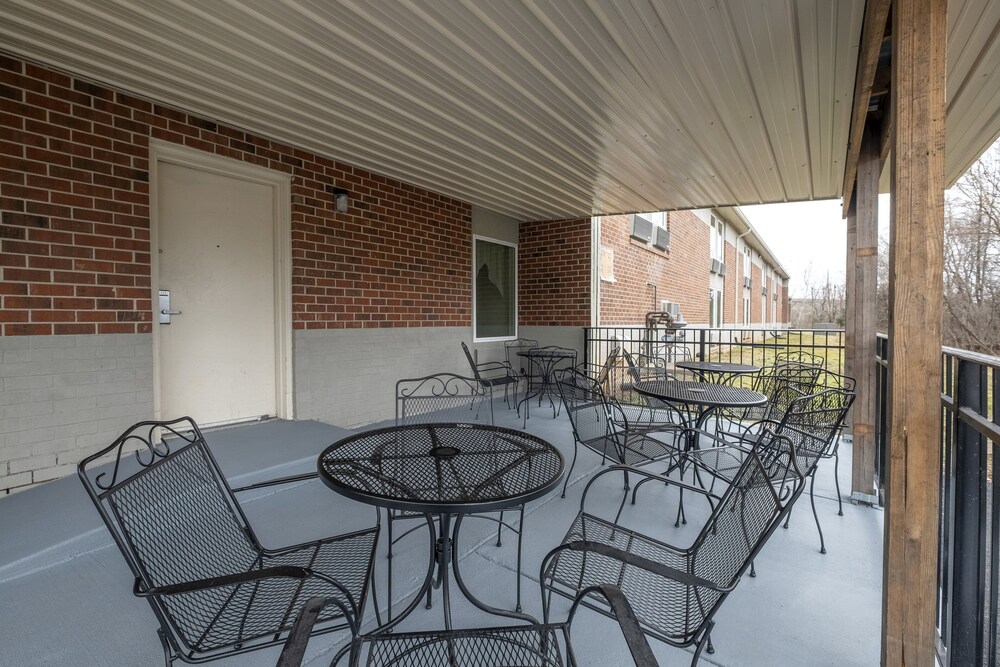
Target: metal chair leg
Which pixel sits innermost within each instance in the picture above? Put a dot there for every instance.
(499, 528)
(167, 653)
(836, 481)
(569, 473)
(812, 501)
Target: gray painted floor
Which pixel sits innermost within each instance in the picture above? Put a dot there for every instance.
(65, 592)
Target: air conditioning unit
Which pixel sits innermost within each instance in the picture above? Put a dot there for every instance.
(747, 282)
(669, 307)
(722, 268)
(642, 229)
(763, 290)
(716, 266)
(662, 240)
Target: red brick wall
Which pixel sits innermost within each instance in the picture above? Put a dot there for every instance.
(553, 260)
(74, 218)
(680, 274)
(729, 291)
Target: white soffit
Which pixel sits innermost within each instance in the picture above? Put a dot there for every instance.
(538, 110)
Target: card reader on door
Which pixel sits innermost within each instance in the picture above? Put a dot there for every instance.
(165, 311)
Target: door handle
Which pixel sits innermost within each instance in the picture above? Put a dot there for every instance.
(165, 311)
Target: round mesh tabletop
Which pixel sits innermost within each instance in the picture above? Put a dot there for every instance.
(442, 468)
(545, 353)
(701, 393)
(716, 367)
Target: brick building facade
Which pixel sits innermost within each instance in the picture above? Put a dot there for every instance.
(379, 292)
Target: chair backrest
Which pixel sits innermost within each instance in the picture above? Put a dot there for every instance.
(586, 407)
(443, 397)
(511, 348)
(753, 505)
(607, 370)
(799, 357)
(813, 423)
(170, 510)
(785, 382)
(472, 361)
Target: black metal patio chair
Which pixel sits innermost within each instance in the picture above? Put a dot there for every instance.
(603, 427)
(446, 397)
(520, 364)
(530, 645)
(494, 374)
(676, 591)
(812, 423)
(214, 589)
(645, 412)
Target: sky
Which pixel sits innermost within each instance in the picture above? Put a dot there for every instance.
(807, 237)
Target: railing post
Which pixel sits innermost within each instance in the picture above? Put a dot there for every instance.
(968, 555)
(701, 345)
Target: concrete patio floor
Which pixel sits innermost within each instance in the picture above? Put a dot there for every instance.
(66, 590)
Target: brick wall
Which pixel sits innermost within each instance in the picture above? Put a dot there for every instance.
(74, 218)
(553, 260)
(680, 274)
(729, 291)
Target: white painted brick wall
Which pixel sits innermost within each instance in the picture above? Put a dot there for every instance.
(62, 397)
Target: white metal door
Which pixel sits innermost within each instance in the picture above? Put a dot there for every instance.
(218, 359)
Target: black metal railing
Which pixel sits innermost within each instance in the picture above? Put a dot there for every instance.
(746, 346)
(969, 525)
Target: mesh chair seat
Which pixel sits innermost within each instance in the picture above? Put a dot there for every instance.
(671, 608)
(229, 615)
(519, 646)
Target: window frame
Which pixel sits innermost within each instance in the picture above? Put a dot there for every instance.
(717, 240)
(475, 317)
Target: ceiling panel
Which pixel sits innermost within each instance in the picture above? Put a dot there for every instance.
(538, 110)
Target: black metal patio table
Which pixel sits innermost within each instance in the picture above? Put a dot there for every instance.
(702, 396)
(545, 359)
(447, 471)
(716, 371)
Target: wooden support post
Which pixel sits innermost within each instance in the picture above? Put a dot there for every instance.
(909, 590)
(862, 271)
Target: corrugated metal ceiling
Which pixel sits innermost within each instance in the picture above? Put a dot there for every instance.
(538, 110)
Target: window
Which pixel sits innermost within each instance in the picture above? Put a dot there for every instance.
(715, 308)
(494, 289)
(746, 311)
(746, 264)
(717, 239)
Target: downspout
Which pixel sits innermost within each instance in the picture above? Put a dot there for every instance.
(739, 285)
(595, 271)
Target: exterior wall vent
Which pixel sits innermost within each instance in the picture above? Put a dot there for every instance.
(662, 239)
(642, 229)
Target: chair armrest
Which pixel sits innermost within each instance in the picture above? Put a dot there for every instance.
(643, 563)
(289, 571)
(642, 472)
(635, 638)
(278, 481)
(295, 645)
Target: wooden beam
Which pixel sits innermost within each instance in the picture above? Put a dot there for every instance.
(862, 272)
(872, 32)
(910, 561)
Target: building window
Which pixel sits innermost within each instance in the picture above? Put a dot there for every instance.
(717, 240)
(746, 263)
(715, 308)
(494, 289)
(746, 311)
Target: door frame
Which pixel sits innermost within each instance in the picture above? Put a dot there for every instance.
(281, 185)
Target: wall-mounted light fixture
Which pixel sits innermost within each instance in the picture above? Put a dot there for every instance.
(341, 199)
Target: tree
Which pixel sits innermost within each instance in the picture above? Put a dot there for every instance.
(823, 302)
(972, 258)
